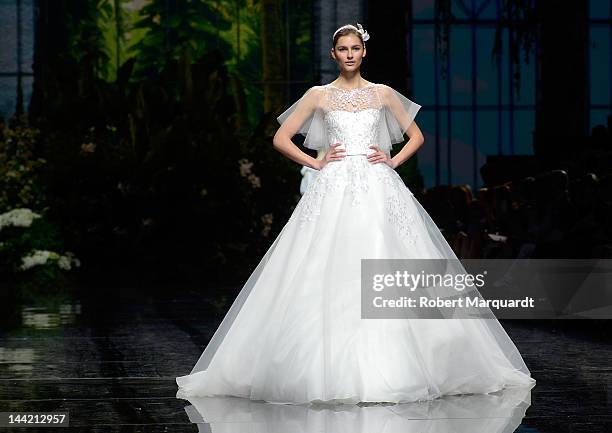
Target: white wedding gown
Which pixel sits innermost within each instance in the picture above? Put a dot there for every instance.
(295, 335)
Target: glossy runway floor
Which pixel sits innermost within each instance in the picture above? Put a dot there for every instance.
(110, 361)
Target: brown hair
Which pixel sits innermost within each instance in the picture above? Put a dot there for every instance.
(345, 31)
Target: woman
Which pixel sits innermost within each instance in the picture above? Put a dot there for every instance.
(294, 334)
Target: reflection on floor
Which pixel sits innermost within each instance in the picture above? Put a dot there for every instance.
(110, 359)
(492, 413)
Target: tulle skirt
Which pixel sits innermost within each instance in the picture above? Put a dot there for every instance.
(295, 334)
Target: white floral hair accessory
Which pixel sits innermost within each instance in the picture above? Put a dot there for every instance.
(364, 34)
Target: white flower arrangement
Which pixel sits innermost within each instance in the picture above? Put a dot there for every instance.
(42, 257)
(21, 217)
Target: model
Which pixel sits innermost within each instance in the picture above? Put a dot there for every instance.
(295, 334)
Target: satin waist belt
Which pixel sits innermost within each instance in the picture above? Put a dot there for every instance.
(358, 152)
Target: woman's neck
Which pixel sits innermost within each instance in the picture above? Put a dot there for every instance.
(350, 82)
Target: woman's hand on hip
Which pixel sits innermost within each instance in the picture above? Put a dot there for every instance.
(334, 154)
(379, 156)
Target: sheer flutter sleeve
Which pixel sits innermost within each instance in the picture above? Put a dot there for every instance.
(305, 117)
(398, 113)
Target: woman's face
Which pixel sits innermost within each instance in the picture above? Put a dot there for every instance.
(348, 52)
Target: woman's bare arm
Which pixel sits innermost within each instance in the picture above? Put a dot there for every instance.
(415, 141)
(409, 126)
(282, 139)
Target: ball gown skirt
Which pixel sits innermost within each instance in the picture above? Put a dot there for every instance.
(294, 334)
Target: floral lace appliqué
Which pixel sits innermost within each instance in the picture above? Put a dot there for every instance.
(353, 176)
(399, 213)
(352, 99)
(349, 175)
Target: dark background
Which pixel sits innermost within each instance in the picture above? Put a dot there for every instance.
(137, 168)
(141, 131)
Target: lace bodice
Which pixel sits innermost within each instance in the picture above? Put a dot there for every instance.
(356, 118)
(352, 118)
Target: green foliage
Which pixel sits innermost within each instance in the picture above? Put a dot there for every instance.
(172, 27)
(86, 41)
(20, 184)
(147, 174)
(114, 25)
(164, 31)
(144, 160)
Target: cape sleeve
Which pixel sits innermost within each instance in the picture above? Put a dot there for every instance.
(397, 115)
(305, 117)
